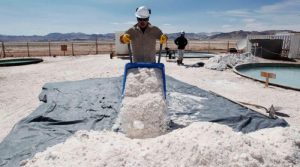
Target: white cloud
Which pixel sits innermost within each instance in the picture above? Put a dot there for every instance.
(124, 23)
(238, 13)
(249, 20)
(255, 26)
(283, 15)
(130, 23)
(287, 6)
(232, 13)
(226, 26)
(231, 19)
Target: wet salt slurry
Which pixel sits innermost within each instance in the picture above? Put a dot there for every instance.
(144, 111)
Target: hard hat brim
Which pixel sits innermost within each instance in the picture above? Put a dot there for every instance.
(140, 16)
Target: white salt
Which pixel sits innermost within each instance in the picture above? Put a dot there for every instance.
(143, 80)
(143, 112)
(221, 63)
(200, 144)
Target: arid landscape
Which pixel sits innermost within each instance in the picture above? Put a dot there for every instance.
(40, 49)
(85, 44)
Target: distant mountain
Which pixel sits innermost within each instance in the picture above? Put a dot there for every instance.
(234, 35)
(111, 36)
(190, 36)
(243, 34)
(58, 37)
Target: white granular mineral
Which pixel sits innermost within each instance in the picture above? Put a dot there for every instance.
(143, 80)
(144, 111)
(221, 63)
(200, 144)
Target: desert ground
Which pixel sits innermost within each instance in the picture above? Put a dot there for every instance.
(21, 85)
(75, 48)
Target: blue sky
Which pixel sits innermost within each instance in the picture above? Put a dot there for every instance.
(40, 17)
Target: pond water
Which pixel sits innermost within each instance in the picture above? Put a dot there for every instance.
(286, 75)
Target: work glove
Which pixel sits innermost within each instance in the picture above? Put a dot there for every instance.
(163, 39)
(125, 38)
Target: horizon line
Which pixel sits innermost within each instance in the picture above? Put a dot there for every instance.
(166, 33)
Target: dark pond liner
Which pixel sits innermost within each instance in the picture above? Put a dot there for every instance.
(187, 54)
(18, 62)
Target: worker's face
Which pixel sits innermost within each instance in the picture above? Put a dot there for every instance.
(142, 23)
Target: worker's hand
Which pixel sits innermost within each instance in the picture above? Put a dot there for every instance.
(125, 38)
(163, 39)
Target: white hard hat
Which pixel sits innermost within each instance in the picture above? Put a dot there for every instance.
(182, 32)
(142, 12)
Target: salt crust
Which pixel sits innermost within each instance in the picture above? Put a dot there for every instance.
(200, 144)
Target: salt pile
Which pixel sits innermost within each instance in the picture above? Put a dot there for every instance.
(221, 63)
(143, 80)
(200, 144)
(143, 112)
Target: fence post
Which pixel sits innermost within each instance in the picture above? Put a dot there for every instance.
(3, 50)
(28, 49)
(73, 50)
(208, 46)
(49, 48)
(96, 44)
(228, 46)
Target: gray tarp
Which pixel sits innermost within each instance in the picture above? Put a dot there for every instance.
(93, 104)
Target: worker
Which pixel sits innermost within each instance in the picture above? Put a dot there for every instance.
(181, 42)
(143, 36)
